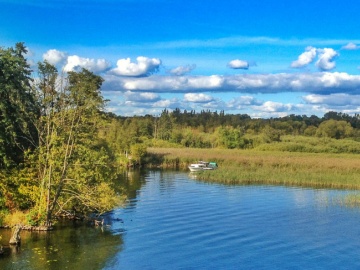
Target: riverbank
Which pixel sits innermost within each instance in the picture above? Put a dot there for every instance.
(317, 170)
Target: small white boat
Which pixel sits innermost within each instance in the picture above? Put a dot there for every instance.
(202, 166)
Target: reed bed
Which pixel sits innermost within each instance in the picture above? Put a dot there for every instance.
(318, 170)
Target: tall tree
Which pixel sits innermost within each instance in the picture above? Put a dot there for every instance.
(18, 108)
(72, 162)
(18, 112)
(165, 125)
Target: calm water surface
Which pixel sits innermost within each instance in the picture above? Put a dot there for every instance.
(173, 221)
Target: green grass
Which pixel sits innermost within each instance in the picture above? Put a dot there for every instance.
(319, 170)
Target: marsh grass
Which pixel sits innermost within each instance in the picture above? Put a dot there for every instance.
(319, 170)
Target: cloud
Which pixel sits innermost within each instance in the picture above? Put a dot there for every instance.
(141, 97)
(339, 99)
(182, 70)
(271, 106)
(305, 58)
(339, 102)
(326, 59)
(242, 102)
(197, 98)
(144, 67)
(245, 41)
(74, 63)
(316, 83)
(238, 64)
(55, 57)
(163, 83)
(350, 46)
(165, 103)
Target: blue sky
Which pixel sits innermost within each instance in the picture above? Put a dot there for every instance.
(264, 58)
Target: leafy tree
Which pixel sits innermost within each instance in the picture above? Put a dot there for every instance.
(138, 152)
(72, 160)
(310, 131)
(270, 134)
(230, 137)
(164, 126)
(17, 106)
(18, 112)
(334, 129)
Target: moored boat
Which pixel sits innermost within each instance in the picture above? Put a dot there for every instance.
(202, 166)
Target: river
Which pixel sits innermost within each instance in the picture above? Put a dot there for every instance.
(173, 221)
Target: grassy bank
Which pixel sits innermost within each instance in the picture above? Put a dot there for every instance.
(317, 170)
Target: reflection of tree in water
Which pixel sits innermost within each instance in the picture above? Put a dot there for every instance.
(74, 246)
(131, 181)
(70, 247)
(167, 180)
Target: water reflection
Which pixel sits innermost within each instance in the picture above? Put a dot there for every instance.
(174, 222)
(67, 247)
(131, 181)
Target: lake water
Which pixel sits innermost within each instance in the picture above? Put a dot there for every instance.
(173, 221)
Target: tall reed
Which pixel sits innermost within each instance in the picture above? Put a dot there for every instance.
(318, 170)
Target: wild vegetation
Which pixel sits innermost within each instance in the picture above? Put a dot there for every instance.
(318, 170)
(54, 160)
(60, 151)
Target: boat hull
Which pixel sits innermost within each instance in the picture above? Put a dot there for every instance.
(195, 169)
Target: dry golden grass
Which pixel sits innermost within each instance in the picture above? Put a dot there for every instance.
(14, 218)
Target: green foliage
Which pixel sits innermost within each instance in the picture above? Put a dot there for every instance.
(35, 218)
(271, 134)
(194, 138)
(18, 108)
(310, 131)
(229, 137)
(138, 152)
(164, 126)
(72, 159)
(335, 129)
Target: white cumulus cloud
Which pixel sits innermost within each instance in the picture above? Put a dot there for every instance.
(351, 46)
(305, 58)
(242, 101)
(324, 62)
(316, 83)
(55, 57)
(326, 59)
(75, 62)
(142, 97)
(145, 66)
(271, 106)
(339, 99)
(238, 64)
(182, 70)
(166, 103)
(198, 98)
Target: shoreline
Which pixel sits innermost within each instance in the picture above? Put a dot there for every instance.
(317, 170)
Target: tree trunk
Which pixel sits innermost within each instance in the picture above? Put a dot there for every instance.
(15, 238)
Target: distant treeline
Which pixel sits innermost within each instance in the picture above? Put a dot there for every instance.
(216, 129)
